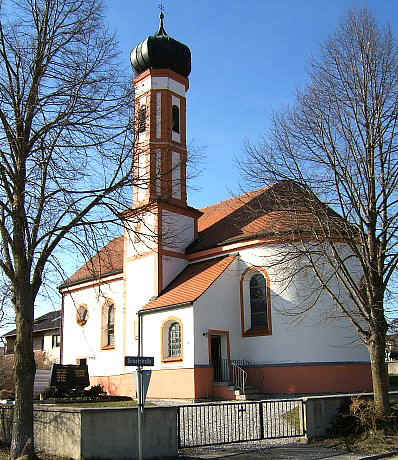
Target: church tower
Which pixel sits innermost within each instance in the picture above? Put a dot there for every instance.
(162, 66)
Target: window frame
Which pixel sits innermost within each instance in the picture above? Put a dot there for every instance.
(165, 340)
(141, 119)
(56, 340)
(245, 296)
(106, 343)
(175, 119)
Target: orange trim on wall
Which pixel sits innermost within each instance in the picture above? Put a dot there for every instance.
(177, 255)
(312, 378)
(90, 285)
(257, 331)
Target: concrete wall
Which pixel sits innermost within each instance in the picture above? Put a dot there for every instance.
(393, 367)
(99, 433)
(321, 411)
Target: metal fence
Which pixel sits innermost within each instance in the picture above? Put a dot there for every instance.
(224, 423)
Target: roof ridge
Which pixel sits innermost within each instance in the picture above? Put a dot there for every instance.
(254, 192)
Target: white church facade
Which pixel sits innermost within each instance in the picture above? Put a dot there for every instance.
(197, 281)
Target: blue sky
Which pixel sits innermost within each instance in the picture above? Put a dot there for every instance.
(248, 58)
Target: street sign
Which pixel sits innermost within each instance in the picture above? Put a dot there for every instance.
(145, 379)
(139, 361)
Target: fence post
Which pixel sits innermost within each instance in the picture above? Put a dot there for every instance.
(261, 415)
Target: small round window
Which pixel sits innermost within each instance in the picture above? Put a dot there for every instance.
(82, 315)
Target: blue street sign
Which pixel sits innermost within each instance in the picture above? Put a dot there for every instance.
(139, 361)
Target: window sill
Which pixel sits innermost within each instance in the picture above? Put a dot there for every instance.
(108, 347)
(172, 359)
(257, 332)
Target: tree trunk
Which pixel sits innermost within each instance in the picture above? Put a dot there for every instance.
(25, 368)
(379, 373)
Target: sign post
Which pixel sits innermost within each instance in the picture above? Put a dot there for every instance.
(142, 383)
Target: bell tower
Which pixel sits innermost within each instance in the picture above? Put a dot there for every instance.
(162, 66)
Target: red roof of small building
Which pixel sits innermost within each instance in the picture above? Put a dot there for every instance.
(191, 283)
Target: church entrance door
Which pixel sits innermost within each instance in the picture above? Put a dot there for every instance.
(219, 354)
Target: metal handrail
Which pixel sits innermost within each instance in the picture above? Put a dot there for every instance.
(239, 376)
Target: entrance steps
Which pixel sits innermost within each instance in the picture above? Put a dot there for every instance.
(225, 390)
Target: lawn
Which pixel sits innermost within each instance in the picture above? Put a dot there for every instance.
(98, 404)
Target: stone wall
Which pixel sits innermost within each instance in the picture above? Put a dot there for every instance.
(99, 432)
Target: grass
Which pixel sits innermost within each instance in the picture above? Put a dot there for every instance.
(100, 404)
(293, 417)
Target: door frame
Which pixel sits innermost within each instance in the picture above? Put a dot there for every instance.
(212, 332)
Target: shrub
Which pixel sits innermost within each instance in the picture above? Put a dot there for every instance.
(95, 391)
(50, 392)
(5, 394)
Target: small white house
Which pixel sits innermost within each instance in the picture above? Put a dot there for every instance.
(199, 280)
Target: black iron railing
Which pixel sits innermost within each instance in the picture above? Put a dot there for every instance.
(223, 423)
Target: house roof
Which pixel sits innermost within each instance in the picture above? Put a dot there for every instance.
(280, 209)
(51, 320)
(275, 211)
(191, 283)
(107, 261)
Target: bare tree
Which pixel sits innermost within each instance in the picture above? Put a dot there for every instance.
(338, 146)
(66, 155)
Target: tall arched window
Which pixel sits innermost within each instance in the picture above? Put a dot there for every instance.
(176, 119)
(110, 326)
(142, 119)
(258, 301)
(255, 296)
(108, 322)
(174, 340)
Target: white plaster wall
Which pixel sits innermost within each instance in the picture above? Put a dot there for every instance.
(85, 341)
(172, 267)
(53, 353)
(315, 337)
(152, 324)
(159, 83)
(140, 287)
(178, 231)
(147, 240)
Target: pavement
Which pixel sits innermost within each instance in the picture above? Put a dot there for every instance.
(299, 452)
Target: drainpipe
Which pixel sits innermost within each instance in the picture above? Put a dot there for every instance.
(140, 394)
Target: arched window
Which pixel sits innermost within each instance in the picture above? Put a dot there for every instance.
(174, 340)
(258, 301)
(110, 326)
(142, 119)
(255, 302)
(176, 119)
(108, 321)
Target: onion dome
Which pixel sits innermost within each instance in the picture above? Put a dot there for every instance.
(160, 51)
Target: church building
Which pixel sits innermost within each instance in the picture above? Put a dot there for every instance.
(197, 284)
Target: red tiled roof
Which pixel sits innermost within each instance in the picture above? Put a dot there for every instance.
(108, 260)
(280, 208)
(191, 283)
